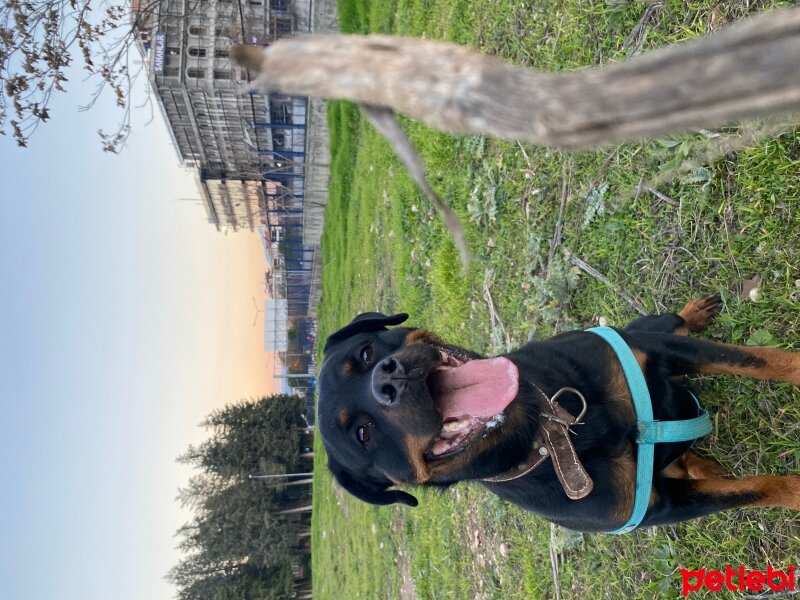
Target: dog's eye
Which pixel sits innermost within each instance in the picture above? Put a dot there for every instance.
(362, 433)
(366, 354)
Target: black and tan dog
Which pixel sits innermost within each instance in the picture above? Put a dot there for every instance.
(400, 406)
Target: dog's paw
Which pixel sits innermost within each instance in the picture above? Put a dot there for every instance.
(795, 503)
(702, 468)
(699, 313)
(780, 491)
(793, 493)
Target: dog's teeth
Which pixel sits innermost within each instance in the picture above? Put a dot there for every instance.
(453, 426)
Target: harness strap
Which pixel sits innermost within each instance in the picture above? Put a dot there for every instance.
(650, 432)
(552, 441)
(539, 454)
(571, 474)
(676, 431)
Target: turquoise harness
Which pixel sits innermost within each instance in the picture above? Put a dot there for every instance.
(650, 432)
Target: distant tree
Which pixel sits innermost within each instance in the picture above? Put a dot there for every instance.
(237, 546)
(274, 584)
(239, 582)
(239, 524)
(250, 437)
(201, 486)
(194, 574)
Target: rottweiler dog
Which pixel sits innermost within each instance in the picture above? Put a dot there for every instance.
(399, 406)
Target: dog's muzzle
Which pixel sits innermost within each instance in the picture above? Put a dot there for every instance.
(388, 378)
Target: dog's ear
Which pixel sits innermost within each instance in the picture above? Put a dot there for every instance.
(365, 322)
(370, 489)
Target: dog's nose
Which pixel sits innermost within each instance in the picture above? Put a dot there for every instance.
(390, 365)
(387, 379)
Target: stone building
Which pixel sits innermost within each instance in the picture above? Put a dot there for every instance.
(256, 165)
(236, 138)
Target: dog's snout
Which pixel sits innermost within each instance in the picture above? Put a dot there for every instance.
(389, 365)
(384, 393)
(387, 378)
(388, 393)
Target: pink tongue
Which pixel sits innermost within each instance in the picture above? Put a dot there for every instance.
(480, 388)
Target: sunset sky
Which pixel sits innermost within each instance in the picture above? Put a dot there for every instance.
(126, 318)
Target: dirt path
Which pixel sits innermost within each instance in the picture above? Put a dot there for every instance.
(408, 590)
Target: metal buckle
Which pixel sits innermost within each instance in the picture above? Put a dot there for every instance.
(553, 402)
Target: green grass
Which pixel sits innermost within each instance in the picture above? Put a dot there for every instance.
(722, 217)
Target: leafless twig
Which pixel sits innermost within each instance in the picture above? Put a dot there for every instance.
(559, 222)
(554, 562)
(384, 121)
(497, 324)
(586, 267)
(661, 196)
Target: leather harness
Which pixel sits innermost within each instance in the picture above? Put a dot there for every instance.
(552, 440)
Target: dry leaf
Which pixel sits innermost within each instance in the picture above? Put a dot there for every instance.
(750, 287)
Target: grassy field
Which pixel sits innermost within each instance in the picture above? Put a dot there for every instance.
(662, 220)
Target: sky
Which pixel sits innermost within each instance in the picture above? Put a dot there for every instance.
(125, 318)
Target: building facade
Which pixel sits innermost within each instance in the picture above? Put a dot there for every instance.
(236, 138)
(249, 149)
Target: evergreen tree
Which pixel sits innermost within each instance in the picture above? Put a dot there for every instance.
(250, 437)
(237, 545)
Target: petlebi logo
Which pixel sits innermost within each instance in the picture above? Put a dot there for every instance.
(739, 579)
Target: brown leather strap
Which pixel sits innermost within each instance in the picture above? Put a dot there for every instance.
(538, 455)
(553, 441)
(573, 477)
(570, 472)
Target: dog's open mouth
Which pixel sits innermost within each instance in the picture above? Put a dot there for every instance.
(471, 396)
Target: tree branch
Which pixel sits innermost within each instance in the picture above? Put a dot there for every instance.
(751, 69)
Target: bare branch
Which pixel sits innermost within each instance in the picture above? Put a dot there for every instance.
(39, 41)
(383, 120)
(748, 70)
